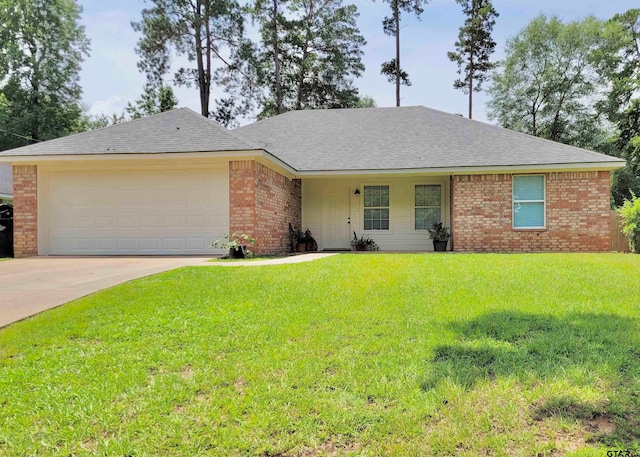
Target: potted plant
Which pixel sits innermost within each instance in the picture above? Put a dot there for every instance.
(364, 243)
(301, 241)
(238, 245)
(440, 236)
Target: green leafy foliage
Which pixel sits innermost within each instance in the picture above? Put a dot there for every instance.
(153, 101)
(42, 47)
(630, 212)
(618, 63)
(546, 84)
(309, 55)
(474, 47)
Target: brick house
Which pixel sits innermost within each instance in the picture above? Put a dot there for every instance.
(173, 182)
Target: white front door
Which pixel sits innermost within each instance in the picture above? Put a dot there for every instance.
(337, 217)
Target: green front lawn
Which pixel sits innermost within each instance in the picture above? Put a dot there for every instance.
(376, 355)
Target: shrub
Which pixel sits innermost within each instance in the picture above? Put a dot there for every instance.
(630, 212)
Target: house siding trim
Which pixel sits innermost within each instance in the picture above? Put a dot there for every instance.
(577, 209)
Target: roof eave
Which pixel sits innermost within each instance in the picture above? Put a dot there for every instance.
(472, 170)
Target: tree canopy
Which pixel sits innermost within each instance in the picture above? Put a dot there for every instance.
(41, 51)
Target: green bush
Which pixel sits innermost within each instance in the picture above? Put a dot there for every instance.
(630, 212)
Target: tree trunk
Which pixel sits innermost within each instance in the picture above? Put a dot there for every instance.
(471, 70)
(276, 59)
(202, 79)
(396, 20)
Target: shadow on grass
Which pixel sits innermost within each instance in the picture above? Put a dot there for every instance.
(532, 348)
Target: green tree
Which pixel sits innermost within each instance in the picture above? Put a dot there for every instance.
(207, 32)
(391, 26)
(366, 101)
(42, 47)
(474, 47)
(618, 63)
(546, 84)
(311, 52)
(152, 101)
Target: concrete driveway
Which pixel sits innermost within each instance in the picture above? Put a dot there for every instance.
(31, 285)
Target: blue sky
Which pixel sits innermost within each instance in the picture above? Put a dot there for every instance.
(110, 77)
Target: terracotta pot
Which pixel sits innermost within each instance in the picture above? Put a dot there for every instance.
(302, 247)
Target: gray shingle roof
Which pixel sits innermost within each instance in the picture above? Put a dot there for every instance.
(403, 138)
(179, 130)
(6, 179)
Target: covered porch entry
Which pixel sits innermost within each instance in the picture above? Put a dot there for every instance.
(395, 211)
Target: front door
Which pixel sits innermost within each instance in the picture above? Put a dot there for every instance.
(337, 217)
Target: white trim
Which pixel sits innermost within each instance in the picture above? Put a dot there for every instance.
(501, 169)
(544, 202)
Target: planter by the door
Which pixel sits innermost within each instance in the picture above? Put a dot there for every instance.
(302, 247)
(440, 246)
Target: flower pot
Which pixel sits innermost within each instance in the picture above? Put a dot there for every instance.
(302, 247)
(238, 253)
(440, 246)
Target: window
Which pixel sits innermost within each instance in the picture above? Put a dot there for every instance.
(528, 201)
(428, 206)
(376, 207)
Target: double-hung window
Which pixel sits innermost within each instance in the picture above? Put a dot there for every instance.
(376, 207)
(428, 206)
(529, 202)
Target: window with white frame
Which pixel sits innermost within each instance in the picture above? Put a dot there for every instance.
(428, 206)
(376, 207)
(529, 202)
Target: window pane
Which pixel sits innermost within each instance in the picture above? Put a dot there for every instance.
(428, 195)
(376, 219)
(528, 188)
(426, 217)
(376, 196)
(528, 215)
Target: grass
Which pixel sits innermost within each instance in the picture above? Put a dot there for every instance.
(377, 355)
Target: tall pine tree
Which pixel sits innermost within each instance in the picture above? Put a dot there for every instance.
(207, 32)
(474, 47)
(391, 26)
(310, 53)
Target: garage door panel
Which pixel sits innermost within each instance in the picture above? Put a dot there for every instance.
(142, 212)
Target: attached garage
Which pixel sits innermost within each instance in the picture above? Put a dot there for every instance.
(133, 212)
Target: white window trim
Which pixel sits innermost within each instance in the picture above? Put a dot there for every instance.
(362, 208)
(543, 201)
(442, 204)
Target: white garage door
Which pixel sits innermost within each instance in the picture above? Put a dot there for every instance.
(151, 212)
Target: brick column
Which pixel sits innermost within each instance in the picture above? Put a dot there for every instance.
(25, 210)
(262, 203)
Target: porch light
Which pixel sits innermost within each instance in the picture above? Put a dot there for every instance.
(357, 192)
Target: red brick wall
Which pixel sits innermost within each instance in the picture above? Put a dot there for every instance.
(577, 211)
(262, 203)
(25, 216)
